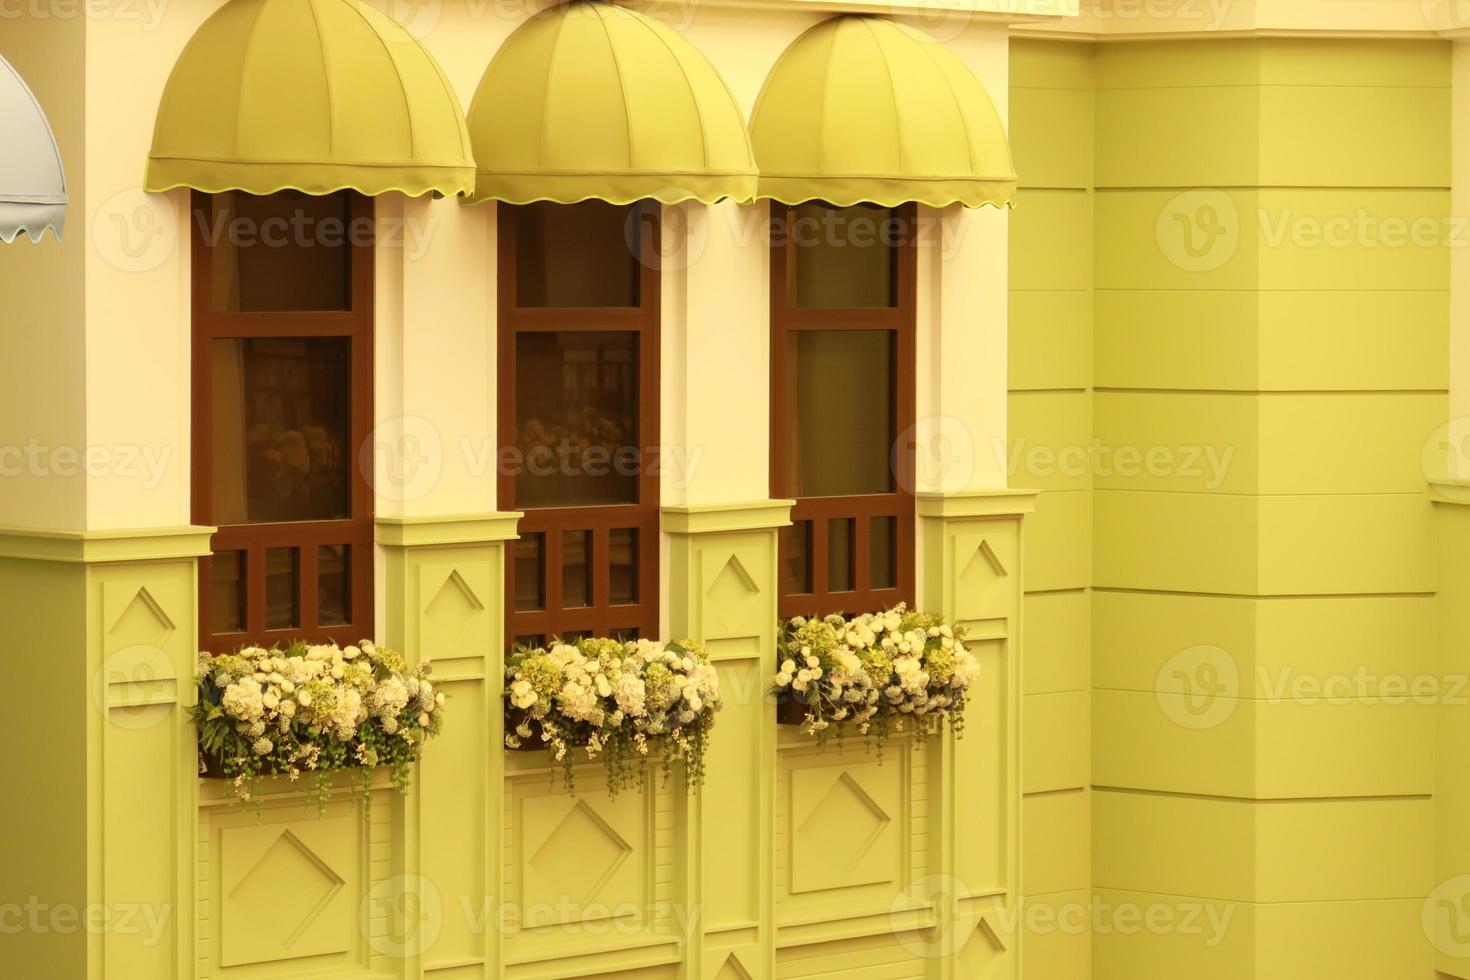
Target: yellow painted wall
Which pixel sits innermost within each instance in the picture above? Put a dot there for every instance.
(1258, 400)
(1050, 372)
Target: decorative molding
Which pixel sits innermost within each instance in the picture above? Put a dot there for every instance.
(754, 515)
(447, 529)
(1449, 492)
(976, 503)
(96, 547)
(996, 12)
(1109, 21)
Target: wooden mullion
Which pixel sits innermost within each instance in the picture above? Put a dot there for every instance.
(307, 586)
(862, 552)
(254, 589)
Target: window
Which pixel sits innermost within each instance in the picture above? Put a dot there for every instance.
(843, 282)
(283, 318)
(578, 418)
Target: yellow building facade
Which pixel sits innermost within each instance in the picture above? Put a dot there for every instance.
(1190, 469)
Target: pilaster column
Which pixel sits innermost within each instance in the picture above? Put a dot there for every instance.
(102, 625)
(445, 591)
(722, 594)
(971, 551)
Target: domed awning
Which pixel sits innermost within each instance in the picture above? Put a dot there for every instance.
(32, 181)
(864, 110)
(591, 101)
(311, 95)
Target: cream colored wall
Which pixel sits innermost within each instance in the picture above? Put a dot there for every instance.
(42, 320)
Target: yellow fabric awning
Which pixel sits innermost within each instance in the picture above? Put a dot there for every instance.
(864, 110)
(592, 101)
(311, 95)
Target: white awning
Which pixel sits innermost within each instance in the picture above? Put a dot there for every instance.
(32, 181)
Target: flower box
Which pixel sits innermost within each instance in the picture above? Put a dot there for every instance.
(880, 673)
(312, 710)
(620, 702)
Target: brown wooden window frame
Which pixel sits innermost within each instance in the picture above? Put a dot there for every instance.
(600, 618)
(900, 320)
(356, 531)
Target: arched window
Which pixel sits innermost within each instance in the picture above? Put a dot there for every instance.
(843, 284)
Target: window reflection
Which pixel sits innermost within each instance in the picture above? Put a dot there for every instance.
(839, 386)
(843, 258)
(282, 252)
(577, 419)
(280, 429)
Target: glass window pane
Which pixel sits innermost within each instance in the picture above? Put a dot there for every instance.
(284, 252)
(530, 641)
(282, 588)
(840, 391)
(333, 585)
(281, 427)
(626, 635)
(576, 255)
(576, 569)
(622, 557)
(530, 562)
(227, 589)
(844, 258)
(577, 419)
(840, 534)
(883, 553)
(796, 558)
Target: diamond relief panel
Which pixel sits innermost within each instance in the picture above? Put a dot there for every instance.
(844, 832)
(285, 891)
(581, 861)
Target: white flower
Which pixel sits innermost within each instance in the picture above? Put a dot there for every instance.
(262, 746)
(243, 700)
(788, 667)
(424, 719)
(522, 694)
(630, 694)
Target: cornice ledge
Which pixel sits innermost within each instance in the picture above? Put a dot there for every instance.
(447, 529)
(95, 547)
(753, 515)
(1182, 20)
(1000, 502)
